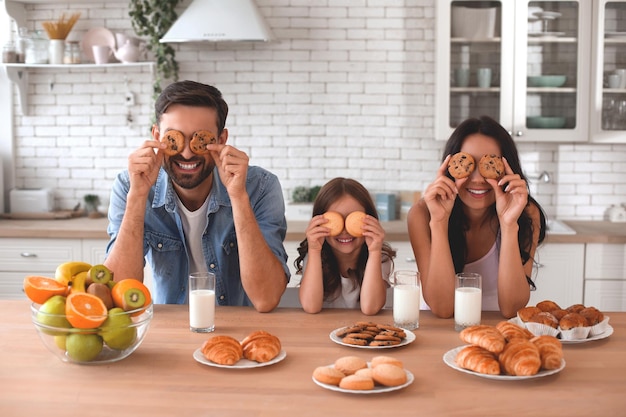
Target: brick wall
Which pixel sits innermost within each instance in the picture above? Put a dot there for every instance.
(345, 90)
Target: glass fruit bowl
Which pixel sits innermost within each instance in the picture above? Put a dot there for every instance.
(119, 335)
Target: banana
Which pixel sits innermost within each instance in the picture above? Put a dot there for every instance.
(77, 284)
(66, 271)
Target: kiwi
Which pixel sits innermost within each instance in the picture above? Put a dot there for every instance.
(103, 292)
(133, 298)
(99, 274)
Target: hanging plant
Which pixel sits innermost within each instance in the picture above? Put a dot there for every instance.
(152, 19)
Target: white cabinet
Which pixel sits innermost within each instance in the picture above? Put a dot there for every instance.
(22, 257)
(515, 43)
(608, 114)
(559, 274)
(605, 276)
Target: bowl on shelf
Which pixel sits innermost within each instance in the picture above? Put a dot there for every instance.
(545, 122)
(547, 80)
(112, 341)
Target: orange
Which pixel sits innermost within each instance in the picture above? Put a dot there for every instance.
(39, 289)
(120, 288)
(84, 310)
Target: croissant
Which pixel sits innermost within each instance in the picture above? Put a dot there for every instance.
(478, 360)
(260, 346)
(487, 337)
(550, 351)
(510, 331)
(520, 358)
(223, 350)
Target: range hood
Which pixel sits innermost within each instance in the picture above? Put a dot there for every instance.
(219, 21)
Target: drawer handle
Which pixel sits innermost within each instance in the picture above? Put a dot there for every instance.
(28, 255)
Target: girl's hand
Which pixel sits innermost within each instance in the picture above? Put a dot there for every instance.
(373, 233)
(440, 195)
(316, 232)
(511, 201)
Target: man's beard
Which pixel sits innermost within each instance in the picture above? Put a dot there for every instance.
(188, 181)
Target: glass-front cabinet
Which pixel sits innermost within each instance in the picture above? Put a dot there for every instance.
(608, 115)
(524, 63)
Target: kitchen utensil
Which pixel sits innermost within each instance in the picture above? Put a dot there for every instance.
(97, 36)
(546, 80)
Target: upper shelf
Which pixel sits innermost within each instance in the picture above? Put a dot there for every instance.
(15, 8)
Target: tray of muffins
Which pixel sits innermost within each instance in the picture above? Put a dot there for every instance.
(574, 324)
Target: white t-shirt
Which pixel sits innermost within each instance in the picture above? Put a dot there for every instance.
(194, 225)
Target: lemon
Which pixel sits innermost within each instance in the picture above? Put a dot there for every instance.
(117, 330)
(52, 313)
(83, 347)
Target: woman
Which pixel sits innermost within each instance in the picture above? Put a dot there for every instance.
(474, 224)
(344, 271)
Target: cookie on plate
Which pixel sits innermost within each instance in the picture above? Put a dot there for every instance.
(328, 375)
(350, 364)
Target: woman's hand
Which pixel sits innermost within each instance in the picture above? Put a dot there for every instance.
(316, 232)
(511, 201)
(373, 233)
(440, 195)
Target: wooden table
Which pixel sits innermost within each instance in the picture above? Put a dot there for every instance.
(162, 379)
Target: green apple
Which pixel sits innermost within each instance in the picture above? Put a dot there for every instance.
(83, 347)
(117, 330)
(52, 313)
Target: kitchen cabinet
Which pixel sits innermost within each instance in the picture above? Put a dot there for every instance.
(558, 274)
(608, 112)
(605, 276)
(520, 42)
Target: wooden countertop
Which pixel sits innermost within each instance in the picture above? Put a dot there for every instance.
(86, 228)
(161, 378)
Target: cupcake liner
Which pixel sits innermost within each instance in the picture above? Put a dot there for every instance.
(599, 328)
(576, 333)
(539, 329)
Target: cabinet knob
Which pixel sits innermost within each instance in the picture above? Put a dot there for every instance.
(519, 133)
(28, 255)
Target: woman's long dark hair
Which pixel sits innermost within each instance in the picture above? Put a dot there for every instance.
(328, 194)
(458, 224)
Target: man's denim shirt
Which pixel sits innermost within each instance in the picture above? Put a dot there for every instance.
(164, 242)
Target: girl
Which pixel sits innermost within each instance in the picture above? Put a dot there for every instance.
(474, 224)
(344, 271)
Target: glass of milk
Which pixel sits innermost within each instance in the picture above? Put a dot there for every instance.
(468, 297)
(406, 299)
(202, 302)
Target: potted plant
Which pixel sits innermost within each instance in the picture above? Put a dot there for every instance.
(301, 205)
(92, 202)
(152, 19)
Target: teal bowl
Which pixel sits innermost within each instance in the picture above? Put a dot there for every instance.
(547, 81)
(545, 122)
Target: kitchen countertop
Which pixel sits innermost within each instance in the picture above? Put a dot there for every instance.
(86, 228)
(161, 378)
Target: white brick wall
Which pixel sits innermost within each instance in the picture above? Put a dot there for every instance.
(346, 90)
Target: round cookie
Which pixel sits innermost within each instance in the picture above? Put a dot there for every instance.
(350, 364)
(461, 165)
(389, 375)
(335, 222)
(491, 166)
(328, 375)
(175, 141)
(357, 382)
(379, 360)
(354, 222)
(200, 140)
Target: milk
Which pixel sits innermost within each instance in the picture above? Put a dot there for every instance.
(202, 310)
(467, 306)
(406, 306)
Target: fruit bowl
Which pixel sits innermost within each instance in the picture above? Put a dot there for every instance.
(117, 337)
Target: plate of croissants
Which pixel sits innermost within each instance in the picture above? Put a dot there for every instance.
(506, 352)
(258, 349)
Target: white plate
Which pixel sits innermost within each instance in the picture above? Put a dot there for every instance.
(97, 36)
(410, 337)
(450, 359)
(607, 333)
(242, 364)
(378, 389)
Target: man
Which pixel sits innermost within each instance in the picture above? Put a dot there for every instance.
(189, 212)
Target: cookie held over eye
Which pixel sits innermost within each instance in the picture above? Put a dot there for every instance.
(491, 166)
(175, 141)
(354, 223)
(200, 140)
(461, 165)
(335, 222)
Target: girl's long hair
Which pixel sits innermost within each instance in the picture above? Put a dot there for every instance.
(328, 194)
